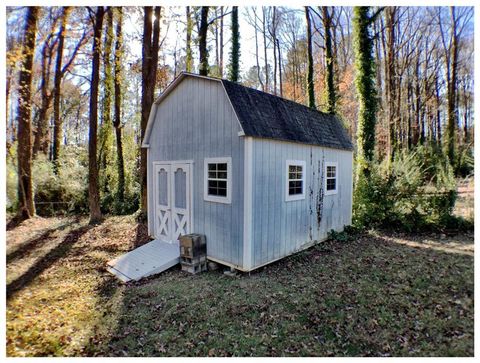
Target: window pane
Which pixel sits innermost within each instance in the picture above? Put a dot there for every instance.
(222, 192)
(331, 184)
(295, 187)
(212, 167)
(222, 167)
(222, 175)
(331, 171)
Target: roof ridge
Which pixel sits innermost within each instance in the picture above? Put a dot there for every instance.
(276, 96)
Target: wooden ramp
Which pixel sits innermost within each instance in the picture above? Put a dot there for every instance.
(149, 259)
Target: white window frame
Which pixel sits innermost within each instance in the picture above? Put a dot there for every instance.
(302, 163)
(216, 198)
(333, 191)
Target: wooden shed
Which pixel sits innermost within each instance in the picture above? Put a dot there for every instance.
(260, 176)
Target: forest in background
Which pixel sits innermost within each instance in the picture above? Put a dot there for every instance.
(79, 93)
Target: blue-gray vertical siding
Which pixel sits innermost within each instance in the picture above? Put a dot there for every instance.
(196, 121)
(280, 227)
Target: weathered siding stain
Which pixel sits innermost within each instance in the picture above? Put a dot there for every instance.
(196, 121)
(280, 227)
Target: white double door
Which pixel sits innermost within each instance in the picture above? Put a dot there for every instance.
(173, 195)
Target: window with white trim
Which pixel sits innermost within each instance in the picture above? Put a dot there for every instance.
(331, 182)
(218, 180)
(295, 185)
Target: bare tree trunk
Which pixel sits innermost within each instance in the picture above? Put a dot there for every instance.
(41, 140)
(264, 28)
(221, 41)
(26, 206)
(418, 131)
(217, 35)
(202, 41)
(118, 102)
(437, 99)
(93, 194)
(149, 76)
(452, 90)
(256, 51)
(57, 121)
(390, 75)
(280, 68)
(273, 34)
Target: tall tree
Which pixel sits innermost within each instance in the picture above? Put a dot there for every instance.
(202, 41)
(57, 123)
(151, 44)
(118, 102)
(93, 194)
(26, 207)
(365, 85)
(189, 58)
(310, 84)
(329, 75)
(220, 65)
(41, 140)
(234, 68)
(390, 76)
(106, 132)
(264, 32)
(451, 59)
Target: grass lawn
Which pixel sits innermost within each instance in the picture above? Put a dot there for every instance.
(379, 295)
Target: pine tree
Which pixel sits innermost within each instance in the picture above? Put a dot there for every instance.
(234, 68)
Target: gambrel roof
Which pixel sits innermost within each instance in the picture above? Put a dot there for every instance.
(267, 116)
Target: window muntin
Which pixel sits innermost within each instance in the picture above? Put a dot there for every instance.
(331, 178)
(217, 180)
(295, 180)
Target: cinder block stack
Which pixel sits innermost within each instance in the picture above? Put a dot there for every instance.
(193, 253)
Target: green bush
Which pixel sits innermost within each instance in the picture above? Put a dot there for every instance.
(415, 191)
(464, 161)
(348, 234)
(65, 192)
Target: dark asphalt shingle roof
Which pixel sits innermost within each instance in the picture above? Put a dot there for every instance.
(267, 116)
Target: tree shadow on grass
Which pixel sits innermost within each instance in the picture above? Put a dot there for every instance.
(55, 254)
(27, 247)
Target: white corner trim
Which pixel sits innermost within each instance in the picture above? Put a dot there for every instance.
(334, 191)
(150, 174)
(248, 204)
(151, 121)
(212, 198)
(302, 163)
